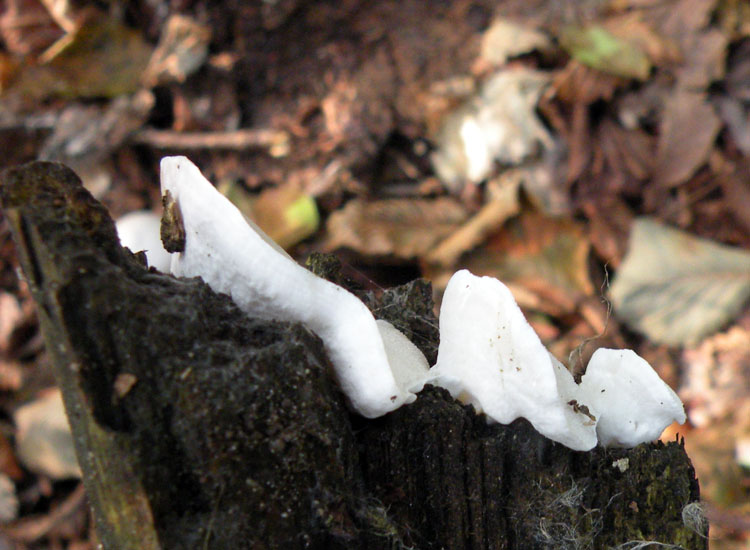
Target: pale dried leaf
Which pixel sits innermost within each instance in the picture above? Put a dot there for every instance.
(677, 288)
(498, 125)
(716, 378)
(505, 39)
(182, 49)
(44, 443)
(405, 228)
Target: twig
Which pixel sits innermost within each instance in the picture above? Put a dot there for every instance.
(276, 140)
(35, 528)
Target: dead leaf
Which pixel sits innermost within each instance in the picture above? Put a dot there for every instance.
(101, 58)
(91, 133)
(544, 257)
(499, 124)
(182, 49)
(43, 440)
(27, 28)
(123, 384)
(504, 204)
(598, 48)
(704, 60)
(677, 288)
(716, 378)
(626, 150)
(405, 228)
(636, 28)
(688, 129)
(8, 500)
(505, 39)
(737, 118)
(286, 213)
(577, 83)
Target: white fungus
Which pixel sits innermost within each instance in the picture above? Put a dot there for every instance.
(489, 355)
(237, 258)
(634, 404)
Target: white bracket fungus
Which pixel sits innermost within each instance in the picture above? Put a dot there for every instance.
(489, 355)
(633, 403)
(235, 257)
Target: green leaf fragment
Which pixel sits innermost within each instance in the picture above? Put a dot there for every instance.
(599, 49)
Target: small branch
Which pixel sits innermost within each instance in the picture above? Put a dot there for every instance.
(275, 140)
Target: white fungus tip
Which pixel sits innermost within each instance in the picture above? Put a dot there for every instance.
(634, 403)
(236, 258)
(491, 356)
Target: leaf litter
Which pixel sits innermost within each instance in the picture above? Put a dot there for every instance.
(526, 143)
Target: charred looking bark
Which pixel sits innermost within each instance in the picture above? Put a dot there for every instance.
(197, 427)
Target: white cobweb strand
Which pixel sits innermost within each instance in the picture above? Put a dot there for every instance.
(490, 356)
(634, 404)
(235, 258)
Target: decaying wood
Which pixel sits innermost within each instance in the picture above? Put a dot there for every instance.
(197, 427)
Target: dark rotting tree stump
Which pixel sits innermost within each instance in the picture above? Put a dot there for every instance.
(198, 427)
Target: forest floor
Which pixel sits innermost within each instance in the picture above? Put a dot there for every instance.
(593, 155)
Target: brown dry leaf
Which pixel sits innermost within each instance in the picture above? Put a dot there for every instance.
(626, 150)
(544, 257)
(286, 214)
(736, 190)
(101, 58)
(634, 28)
(8, 463)
(405, 228)
(688, 129)
(609, 225)
(27, 28)
(704, 60)
(716, 392)
(736, 117)
(502, 205)
(577, 83)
